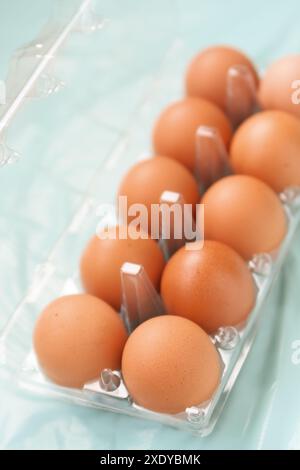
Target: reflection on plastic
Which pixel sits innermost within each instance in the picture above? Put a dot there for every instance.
(140, 300)
(195, 415)
(241, 94)
(291, 197)
(88, 20)
(227, 337)
(168, 240)
(7, 154)
(212, 162)
(25, 61)
(261, 264)
(109, 380)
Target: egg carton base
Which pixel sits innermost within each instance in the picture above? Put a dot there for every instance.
(198, 419)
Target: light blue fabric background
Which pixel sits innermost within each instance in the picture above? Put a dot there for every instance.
(63, 139)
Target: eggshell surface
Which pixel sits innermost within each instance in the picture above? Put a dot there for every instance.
(207, 73)
(211, 286)
(147, 180)
(169, 363)
(280, 86)
(244, 213)
(174, 133)
(267, 146)
(76, 337)
(103, 258)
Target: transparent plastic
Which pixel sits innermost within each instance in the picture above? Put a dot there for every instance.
(31, 69)
(241, 94)
(140, 301)
(168, 239)
(211, 160)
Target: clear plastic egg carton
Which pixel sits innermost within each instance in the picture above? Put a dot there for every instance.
(59, 275)
(55, 278)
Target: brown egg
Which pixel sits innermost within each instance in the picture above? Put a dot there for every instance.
(76, 337)
(207, 73)
(169, 363)
(244, 213)
(174, 133)
(211, 286)
(147, 180)
(280, 86)
(103, 258)
(267, 146)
